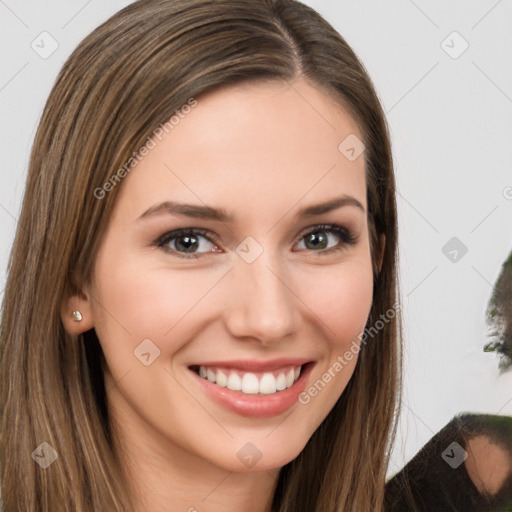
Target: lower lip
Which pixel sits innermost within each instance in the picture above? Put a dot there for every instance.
(257, 406)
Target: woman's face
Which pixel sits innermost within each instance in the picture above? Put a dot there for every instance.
(247, 296)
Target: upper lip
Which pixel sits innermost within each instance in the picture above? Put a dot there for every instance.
(254, 365)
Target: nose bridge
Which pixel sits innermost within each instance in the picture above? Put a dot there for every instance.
(263, 305)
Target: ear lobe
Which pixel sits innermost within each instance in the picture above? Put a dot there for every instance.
(76, 323)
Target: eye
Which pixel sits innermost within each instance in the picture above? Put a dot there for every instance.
(184, 243)
(187, 240)
(315, 238)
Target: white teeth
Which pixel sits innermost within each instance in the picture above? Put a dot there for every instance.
(290, 378)
(221, 379)
(267, 384)
(281, 382)
(234, 382)
(248, 382)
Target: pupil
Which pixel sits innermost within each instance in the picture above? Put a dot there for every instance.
(312, 236)
(190, 243)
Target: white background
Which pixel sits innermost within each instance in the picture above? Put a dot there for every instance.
(451, 125)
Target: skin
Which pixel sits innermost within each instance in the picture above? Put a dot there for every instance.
(262, 152)
(488, 464)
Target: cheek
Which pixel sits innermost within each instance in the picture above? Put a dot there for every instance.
(135, 303)
(150, 301)
(342, 300)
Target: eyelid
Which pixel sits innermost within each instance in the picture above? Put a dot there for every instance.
(347, 236)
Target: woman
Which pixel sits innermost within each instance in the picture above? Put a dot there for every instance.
(142, 370)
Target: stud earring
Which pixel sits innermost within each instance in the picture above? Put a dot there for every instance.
(77, 316)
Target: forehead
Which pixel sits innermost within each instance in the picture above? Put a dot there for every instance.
(251, 146)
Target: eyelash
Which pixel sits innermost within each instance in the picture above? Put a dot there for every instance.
(345, 234)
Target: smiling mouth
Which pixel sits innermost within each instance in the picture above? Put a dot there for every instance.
(251, 383)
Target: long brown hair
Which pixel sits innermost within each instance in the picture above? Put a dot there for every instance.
(124, 79)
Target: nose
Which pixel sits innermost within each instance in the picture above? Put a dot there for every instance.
(262, 304)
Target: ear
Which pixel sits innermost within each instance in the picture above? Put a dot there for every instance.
(382, 245)
(77, 301)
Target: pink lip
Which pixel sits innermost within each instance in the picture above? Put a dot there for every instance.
(257, 406)
(253, 365)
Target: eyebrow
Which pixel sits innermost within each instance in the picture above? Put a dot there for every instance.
(219, 214)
